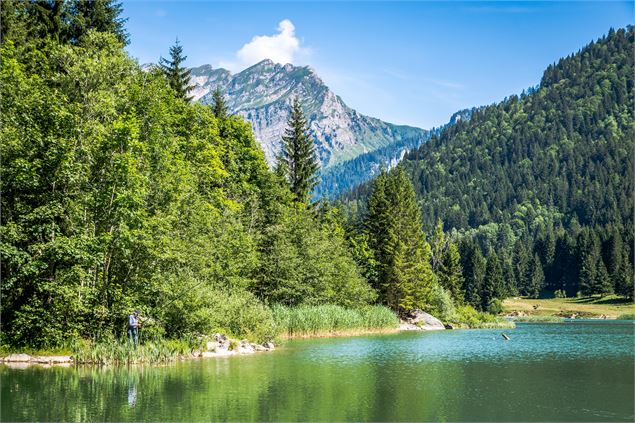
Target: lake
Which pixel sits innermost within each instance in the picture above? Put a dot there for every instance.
(573, 371)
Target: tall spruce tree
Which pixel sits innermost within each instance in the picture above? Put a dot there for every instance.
(298, 160)
(177, 75)
(450, 274)
(219, 107)
(493, 281)
(405, 277)
(473, 264)
(536, 278)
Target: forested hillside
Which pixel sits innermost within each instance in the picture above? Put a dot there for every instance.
(119, 193)
(542, 183)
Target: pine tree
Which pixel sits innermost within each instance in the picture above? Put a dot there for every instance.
(603, 285)
(588, 273)
(493, 281)
(298, 155)
(439, 245)
(624, 282)
(536, 278)
(473, 272)
(177, 75)
(219, 107)
(99, 15)
(450, 274)
(404, 277)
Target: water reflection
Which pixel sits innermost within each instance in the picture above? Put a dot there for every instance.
(545, 373)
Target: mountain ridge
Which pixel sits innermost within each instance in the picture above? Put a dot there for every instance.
(262, 94)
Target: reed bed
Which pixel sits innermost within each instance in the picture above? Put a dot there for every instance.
(322, 320)
(124, 352)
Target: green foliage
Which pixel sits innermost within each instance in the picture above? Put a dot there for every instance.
(441, 304)
(626, 316)
(467, 316)
(219, 106)
(298, 161)
(118, 195)
(332, 319)
(305, 260)
(404, 274)
(495, 306)
(539, 174)
(178, 76)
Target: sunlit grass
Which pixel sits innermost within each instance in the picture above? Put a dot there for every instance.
(322, 320)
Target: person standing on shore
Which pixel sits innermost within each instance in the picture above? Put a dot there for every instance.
(133, 328)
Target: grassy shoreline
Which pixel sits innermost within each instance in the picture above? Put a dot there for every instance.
(302, 322)
(609, 307)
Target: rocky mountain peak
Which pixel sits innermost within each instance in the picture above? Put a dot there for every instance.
(263, 94)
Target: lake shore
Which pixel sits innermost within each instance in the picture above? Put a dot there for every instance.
(608, 307)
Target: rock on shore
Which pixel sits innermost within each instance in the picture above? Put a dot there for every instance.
(420, 320)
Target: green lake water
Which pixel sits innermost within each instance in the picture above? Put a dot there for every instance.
(580, 371)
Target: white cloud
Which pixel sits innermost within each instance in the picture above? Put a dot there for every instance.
(283, 47)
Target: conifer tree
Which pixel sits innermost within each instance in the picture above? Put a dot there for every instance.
(603, 285)
(177, 75)
(624, 282)
(450, 274)
(298, 158)
(588, 273)
(219, 107)
(99, 15)
(536, 278)
(405, 277)
(473, 272)
(493, 281)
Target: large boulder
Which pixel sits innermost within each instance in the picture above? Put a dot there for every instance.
(420, 320)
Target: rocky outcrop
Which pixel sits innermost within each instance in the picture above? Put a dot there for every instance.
(420, 320)
(263, 93)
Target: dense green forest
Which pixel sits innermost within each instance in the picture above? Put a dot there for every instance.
(538, 189)
(118, 193)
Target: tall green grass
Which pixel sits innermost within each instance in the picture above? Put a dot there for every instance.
(626, 316)
(332, 319)
(124, 352)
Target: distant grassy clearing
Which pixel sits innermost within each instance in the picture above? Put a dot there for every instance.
(611, 306)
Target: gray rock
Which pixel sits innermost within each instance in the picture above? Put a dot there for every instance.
(18, 358)
(269, 345)
(424, 320)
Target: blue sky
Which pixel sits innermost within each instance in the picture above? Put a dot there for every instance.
(413, 62)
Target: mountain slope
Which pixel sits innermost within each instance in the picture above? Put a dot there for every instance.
(262, 94)
(566, 145)
(541, 183)
(341, 178)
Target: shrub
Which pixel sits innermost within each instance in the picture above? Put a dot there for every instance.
(495, 306)
(441, 304)
(560, 293)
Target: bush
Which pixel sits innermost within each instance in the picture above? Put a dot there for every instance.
(441, 304)
(495, 306)
(626, 316)
(467, 316)
(560, 293)
(203, 310)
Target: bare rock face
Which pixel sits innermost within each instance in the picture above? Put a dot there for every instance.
(263, 94)
(420, 320)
